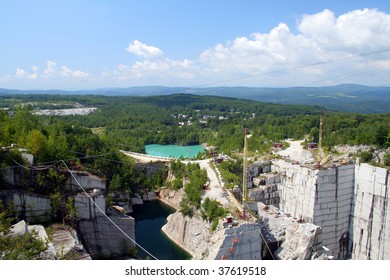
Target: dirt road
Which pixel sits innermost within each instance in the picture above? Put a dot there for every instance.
(215, 190)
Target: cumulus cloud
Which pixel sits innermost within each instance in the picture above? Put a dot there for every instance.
(51, 73)
(22, 74)
(161, 70)
(51, 69)
(143, 50)
(67, 72)
(325, 45)
(355, 31)
(152, 65)
(325, 49)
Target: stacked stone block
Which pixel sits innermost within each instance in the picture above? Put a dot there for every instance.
(269, 195)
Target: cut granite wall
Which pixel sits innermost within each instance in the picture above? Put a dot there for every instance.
(28, 206)
(103, 239)
(322, 197)
(370, 225)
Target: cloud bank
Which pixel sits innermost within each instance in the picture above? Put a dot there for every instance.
(351, 48)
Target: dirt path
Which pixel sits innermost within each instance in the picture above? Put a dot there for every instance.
(215, 190)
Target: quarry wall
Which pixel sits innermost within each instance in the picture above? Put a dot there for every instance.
(28, 206)
(100, 236)
(297, 189)
(86, 209)
(370, 217)
(104, 240)
(322, 197)
(333, 205)
(87, 180)
(349, 202)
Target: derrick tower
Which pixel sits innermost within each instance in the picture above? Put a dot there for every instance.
(244, 175)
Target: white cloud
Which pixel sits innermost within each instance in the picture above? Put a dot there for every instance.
(51, 69)
(359, 30)
(49, 77)
(158, 71)
(325, 49)
(22, 74)
(67, 72)
(328, 46)
(140, 49)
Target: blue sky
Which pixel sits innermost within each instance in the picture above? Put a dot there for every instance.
(94, 44)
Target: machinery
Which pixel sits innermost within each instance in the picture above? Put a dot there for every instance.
(245, 177)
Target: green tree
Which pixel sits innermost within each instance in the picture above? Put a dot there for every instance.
(212, 211)
(28, 246)
(36, 142)
(387, 159)
(5, 219)
(381, 134)
(71, 210)
(366, 156)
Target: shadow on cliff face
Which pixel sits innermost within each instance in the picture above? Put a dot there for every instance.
(269, 242)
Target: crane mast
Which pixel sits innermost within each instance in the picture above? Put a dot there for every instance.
(320, 136)
(244, 176)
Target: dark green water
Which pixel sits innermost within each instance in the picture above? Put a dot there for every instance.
(149, 219)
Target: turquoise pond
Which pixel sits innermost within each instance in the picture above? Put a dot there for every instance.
(173, 151)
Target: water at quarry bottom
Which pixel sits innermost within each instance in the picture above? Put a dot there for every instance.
(149, 219)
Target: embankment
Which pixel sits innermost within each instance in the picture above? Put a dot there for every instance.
(192, 234)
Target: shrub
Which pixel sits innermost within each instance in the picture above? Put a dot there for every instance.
(366, 156)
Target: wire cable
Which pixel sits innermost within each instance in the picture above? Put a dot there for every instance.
(89, 197)
(103, 212)
(266, 244)
(294, 68)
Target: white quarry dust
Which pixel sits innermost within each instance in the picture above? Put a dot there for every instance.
(215, 190)
(296, 152)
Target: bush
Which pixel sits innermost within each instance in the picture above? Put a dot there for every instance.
(177, 184)
(387, 160)
(366, 156)
(21, 247)
(185, 208)
(211, 211)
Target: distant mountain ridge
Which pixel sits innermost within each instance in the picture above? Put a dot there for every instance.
(344, 97)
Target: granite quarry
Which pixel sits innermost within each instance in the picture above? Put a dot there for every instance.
(299, 211)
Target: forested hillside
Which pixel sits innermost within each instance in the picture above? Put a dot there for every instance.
(129, 123)
(92, 141)
(343, 98)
